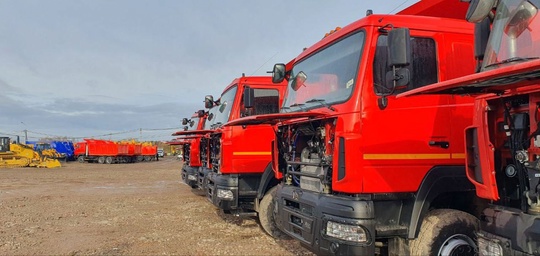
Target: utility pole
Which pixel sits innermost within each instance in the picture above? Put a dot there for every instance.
(25, 133)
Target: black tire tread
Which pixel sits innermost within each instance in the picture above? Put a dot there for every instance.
(266, 215)
(432, 225)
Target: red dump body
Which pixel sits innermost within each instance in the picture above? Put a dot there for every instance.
(106, 151)
(123, 149)
(149, 150)
(134, 149)
(91, 147)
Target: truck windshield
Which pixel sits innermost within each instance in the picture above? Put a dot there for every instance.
(212, 113)
(194, 123)
(515, 32)
(224, 108)
(326, 77)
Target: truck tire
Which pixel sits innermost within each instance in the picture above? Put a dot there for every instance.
(446, 232)
(266, 214)
(101, 159)
(108, 160)
(80, 159)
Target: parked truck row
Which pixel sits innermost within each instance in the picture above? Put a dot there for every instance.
(109, 152)
(407, 134)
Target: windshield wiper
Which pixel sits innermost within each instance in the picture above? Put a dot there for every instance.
(514, 59)
(216, 125)
(322, 102)
(299, 105)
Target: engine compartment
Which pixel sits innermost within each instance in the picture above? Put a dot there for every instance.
(305, 154)
(514, 130)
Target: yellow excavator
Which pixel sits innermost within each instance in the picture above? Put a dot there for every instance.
(45, 150)
(18, 155)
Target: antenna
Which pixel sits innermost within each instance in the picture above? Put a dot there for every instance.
(264, 63)
(399, 6)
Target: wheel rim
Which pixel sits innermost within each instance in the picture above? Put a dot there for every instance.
(458, 245)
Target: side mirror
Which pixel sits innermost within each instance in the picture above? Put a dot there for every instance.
(278, 73)
(299, 80)
(479, 9)
(185, 128)
(208, 101)
(185, 121)
(249, 97)
(222, 107)
(399, 47)
(200, 113)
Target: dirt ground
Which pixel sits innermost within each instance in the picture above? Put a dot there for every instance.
(120, 209)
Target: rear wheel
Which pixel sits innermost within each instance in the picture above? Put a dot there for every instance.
(266, 214)
(108, 160)
(101, 160)
(446, 232)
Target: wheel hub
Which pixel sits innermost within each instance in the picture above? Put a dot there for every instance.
(458, 245)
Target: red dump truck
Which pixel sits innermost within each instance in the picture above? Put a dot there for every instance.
(262, 97)
(503, 143)
(364, 172)
(106, 151)
(190, 145)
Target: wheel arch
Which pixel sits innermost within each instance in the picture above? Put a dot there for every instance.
(267, 181)
(440, 188)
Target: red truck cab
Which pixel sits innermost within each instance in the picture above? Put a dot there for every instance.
(365, 173)
(240, 156)
(190, 147)
(264, 97)
(503, 143)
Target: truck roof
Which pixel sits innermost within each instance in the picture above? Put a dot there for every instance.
(252, 80)
(438, 8)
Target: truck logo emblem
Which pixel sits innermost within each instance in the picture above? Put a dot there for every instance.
(296, 194)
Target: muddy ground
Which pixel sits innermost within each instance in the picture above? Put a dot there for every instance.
(120, 209)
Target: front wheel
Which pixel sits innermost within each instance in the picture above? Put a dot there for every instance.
(80, 159)
(266, 214)
(446, 232)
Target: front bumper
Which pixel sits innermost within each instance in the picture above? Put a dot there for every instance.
(509, 231)
(222, 190)
(190, 175)
(303, 215)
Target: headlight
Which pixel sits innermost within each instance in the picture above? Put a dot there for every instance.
(225, 194)
(489, 247)
(352, 233)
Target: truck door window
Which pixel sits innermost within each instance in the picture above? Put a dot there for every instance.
(423, 69)
(266, 101)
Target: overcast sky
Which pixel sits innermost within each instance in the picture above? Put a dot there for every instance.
(83, 68)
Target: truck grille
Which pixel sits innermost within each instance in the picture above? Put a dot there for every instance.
(215, 152)
(204, 151)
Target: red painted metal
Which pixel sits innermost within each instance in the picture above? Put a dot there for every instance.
(454, 9)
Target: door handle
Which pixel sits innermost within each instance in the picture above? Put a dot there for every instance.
(442, 144)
